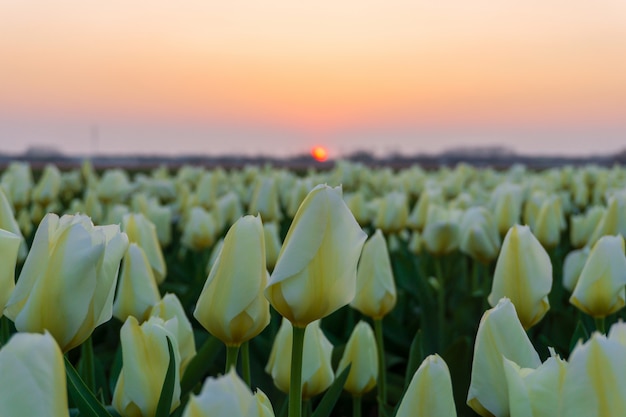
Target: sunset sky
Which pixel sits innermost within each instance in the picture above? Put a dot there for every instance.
(279, 76)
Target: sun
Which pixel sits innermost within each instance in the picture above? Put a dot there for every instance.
(319, 153)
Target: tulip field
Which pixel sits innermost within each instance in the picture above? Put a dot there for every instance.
(350, 291)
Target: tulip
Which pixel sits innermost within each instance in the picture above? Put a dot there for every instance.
(231, 305)
(264, 404)
(418, 216)
(265, 200)
(9, 247)
(142, 231)
(9, 223)
(137, 292)
(547, 226)
(357, 205)
(523, 274)
(272, 244)
(317, 371)
(441, 232)
(572, 267)
(199, 230)
(595, 381)
(393, 213)
(506, 203)
(613, 221)
(168, 308)
(68, 280)
(114, 186)
(376, 289)
(583, 226)
(430, 391)
(207, 190)
(316, 269)
(145, 358)
(500, 334)
(32, 377)
(361, 353)
(17, 182)
(49, 186)
(227, 396)
(416, 243)
(600, 288)
(535, 392)
(298, 193)
(479, 237)
(93, 207)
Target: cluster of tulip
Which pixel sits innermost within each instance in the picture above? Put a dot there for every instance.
(230, 253)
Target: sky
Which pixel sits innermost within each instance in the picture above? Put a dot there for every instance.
(278, 76)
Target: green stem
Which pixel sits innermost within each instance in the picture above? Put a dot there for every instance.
(87, 366)
(5, 332)
(382, 367)
(475, 276)
(441, 301)
(307, 408)
(600, 324)
(231, 357)
(295, 383)
(245, 363)
(356, 406)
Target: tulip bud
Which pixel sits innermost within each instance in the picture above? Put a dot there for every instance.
(316, 269)
(375, 286)
(232, 306)
(418, 216)
(572, 267)
(357, 205)
(265, 200)
(430, 391)
(9, 246)
(500, 334)
(547, 227)
(10, 224)
(168, 308)
(523, 274)
(18, 182)
(145, 358)
(392, 213)
(600, 288)
(595, 381)
(272, 244)
(479, 237)
(32, 377)
(317, 371)
(226, 396)
(613, 221)
(583, 226)
(264, 404)
(506, 203)
(441, 233)
(142, 231)
(361, 354)
(114, 186)
(68, 280)
(199, 230)
(535, 392)
(416, 243)
(49, 185)
(137, 291)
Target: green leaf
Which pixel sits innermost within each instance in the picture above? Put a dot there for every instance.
(326, 405)
(165, 400)
(84, 399)
(579, 333)
(200, 365)
(416, 356)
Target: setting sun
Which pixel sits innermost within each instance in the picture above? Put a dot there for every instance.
(319, 153)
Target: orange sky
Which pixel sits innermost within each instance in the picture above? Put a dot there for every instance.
(323, 66)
